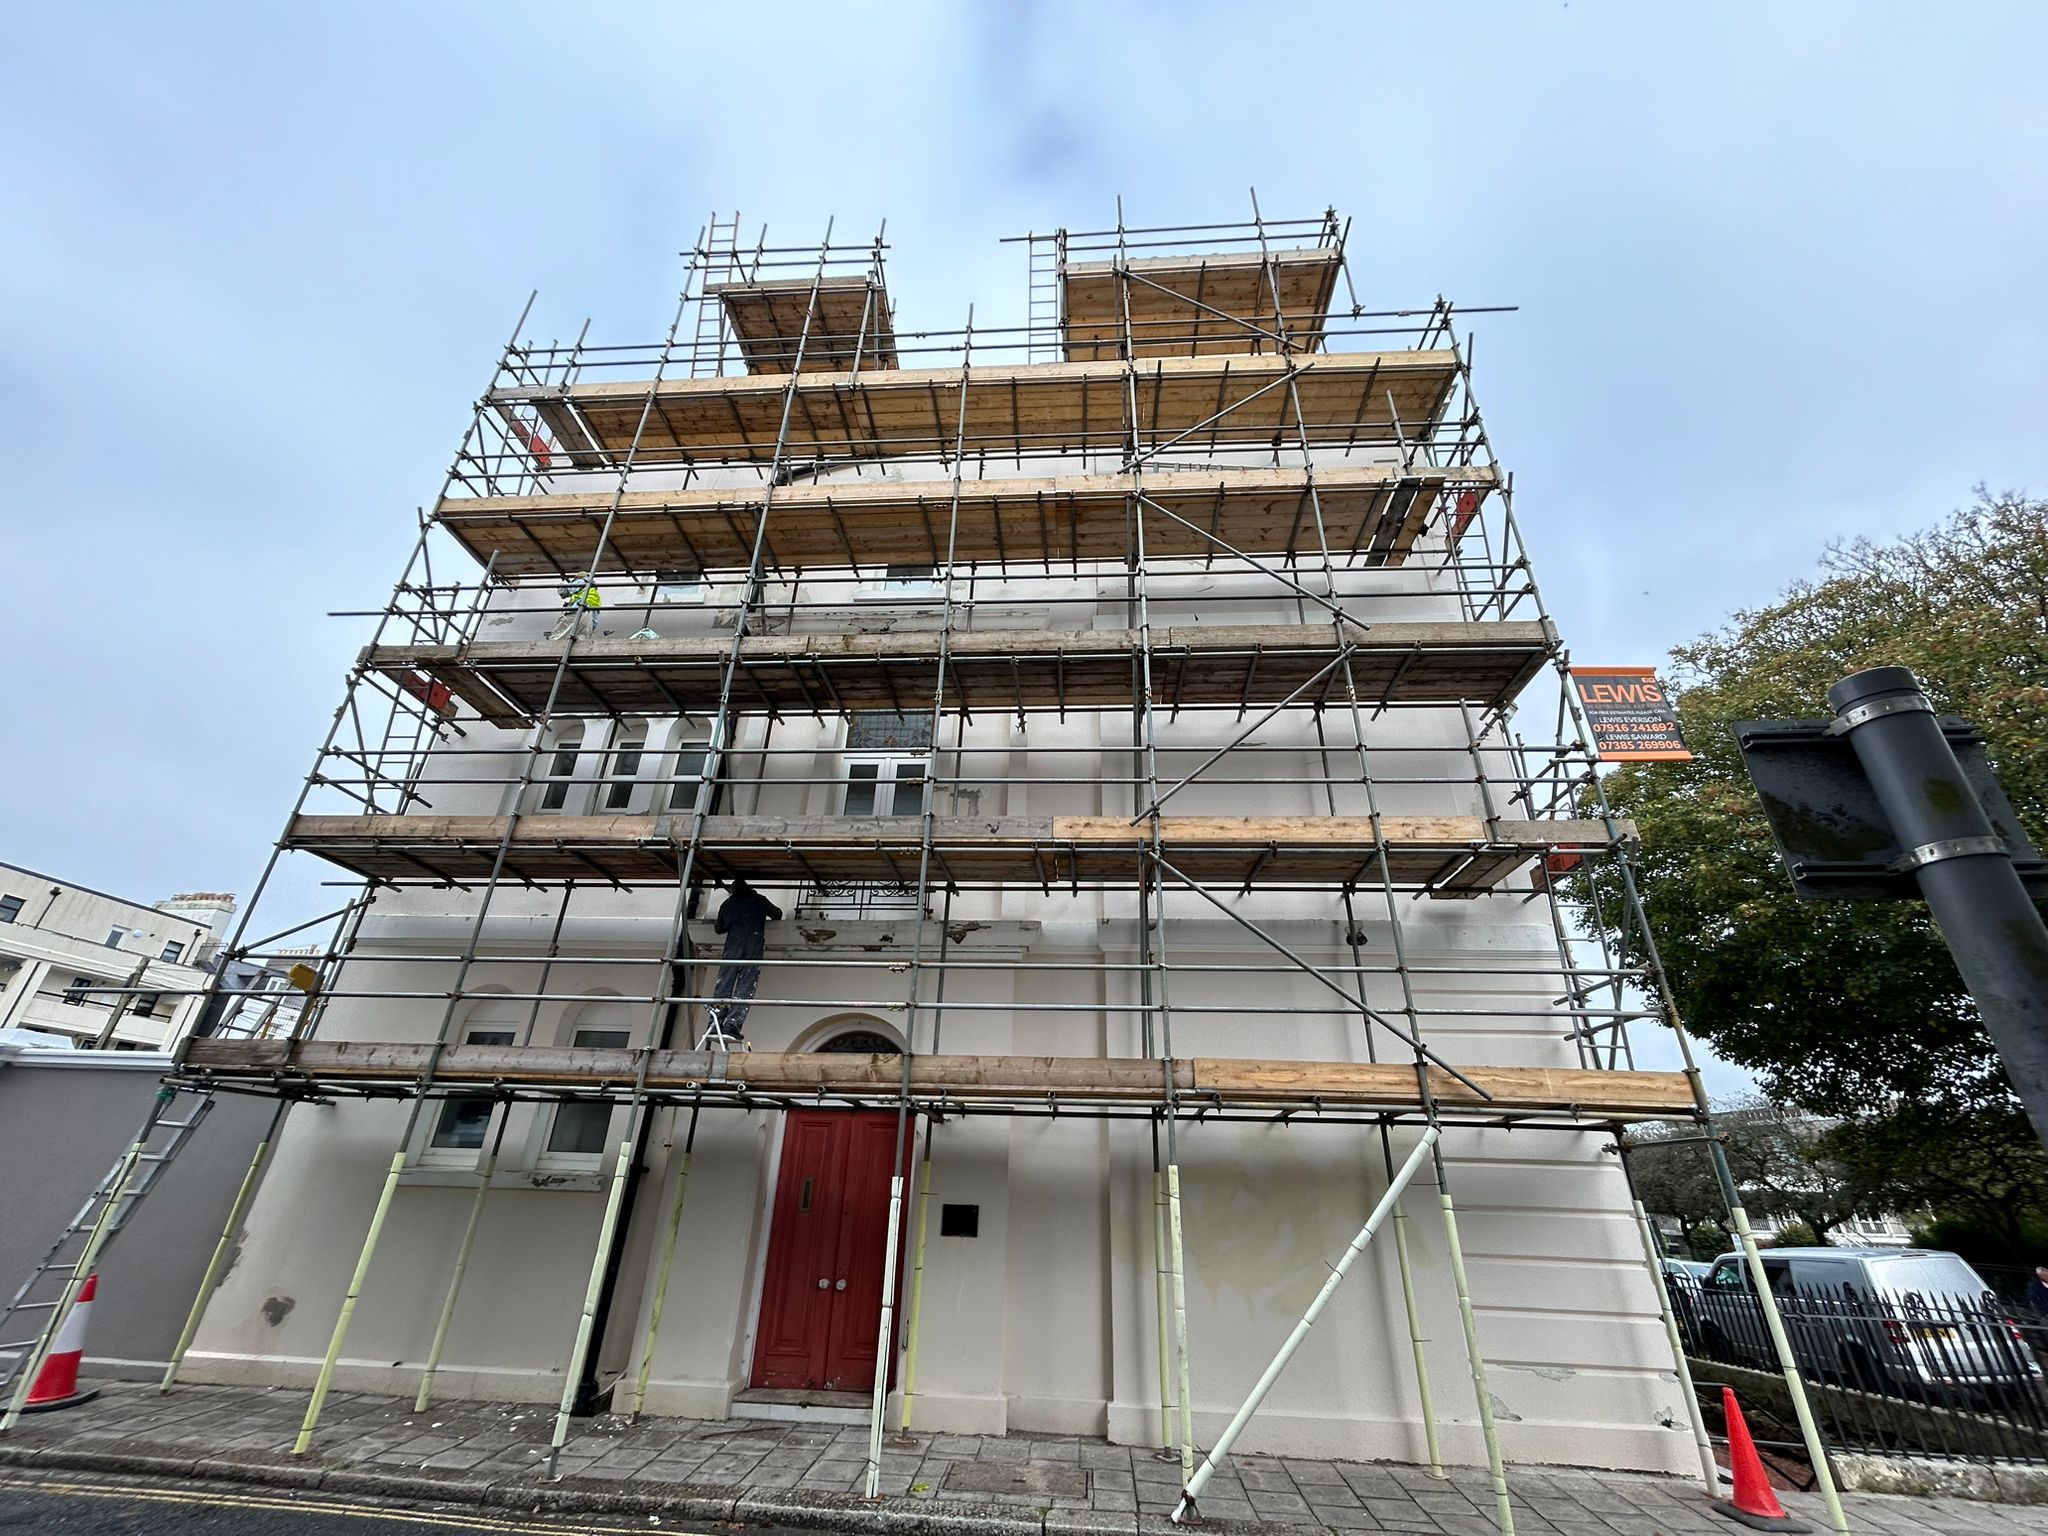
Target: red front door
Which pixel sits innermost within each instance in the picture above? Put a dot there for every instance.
(821, 1304)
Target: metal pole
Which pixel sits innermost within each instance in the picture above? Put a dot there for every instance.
(1964, 870)
(348, 1304)
(574, 1374)
(1294, 1340)
(924, 1210)
(1180, 1321)
(476, 1217)
(1709, 1469)
(1162, 1303)
(1795, 1384)
(668, 1259)
(220, 1249)
(1503, 1511)
(1415, 1337)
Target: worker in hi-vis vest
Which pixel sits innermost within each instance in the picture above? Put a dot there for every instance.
(580, 605)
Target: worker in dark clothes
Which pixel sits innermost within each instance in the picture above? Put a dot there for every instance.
(743, 917)
(2037, 1289)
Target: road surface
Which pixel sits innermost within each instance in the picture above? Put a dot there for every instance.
(77, 1504)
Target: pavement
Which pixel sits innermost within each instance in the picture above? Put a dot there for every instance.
(490, 1456)
(69, 1504)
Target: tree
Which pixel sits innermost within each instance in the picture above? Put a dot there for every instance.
(1675, 1179)
(1845, 1009)
(1786, 1164)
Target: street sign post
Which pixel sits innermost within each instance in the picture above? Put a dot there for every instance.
(1889, 801)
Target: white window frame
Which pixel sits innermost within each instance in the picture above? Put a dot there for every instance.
(426, 1154)
(574, 788)
(888, 770)
(687, 750)
(908, 579)
(620, 790)
(170, 958)
(10, 908)
(541, 1158)
(679, 587)
(115, 936)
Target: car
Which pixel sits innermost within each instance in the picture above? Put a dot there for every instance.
(1682, 1281)
(1913, 1322)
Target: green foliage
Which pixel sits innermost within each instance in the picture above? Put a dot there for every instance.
(1843, 1008)
(1986, 1248)
(1796, 1234)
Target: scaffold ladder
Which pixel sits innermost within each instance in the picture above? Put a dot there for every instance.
(1046, 316)
(721, 260)
(51, 1290)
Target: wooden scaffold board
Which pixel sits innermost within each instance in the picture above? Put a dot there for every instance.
(942, 1080)
(1371, 513)
(509, 682)
(1224, 401)
(1448, 855)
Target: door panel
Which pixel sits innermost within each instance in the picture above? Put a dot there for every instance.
(803, 1247)
(857, 1313)
(830, 1223)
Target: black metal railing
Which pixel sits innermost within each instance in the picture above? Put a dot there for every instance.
(1905, 1373)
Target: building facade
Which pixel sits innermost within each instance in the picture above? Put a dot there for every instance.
(1147, 726)
(90, 970)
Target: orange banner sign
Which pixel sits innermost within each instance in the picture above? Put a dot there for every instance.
(1630, 715)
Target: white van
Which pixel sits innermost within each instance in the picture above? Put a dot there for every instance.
(1912, 1321)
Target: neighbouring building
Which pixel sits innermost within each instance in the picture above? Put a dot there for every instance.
(1142, 713)
(90, 970)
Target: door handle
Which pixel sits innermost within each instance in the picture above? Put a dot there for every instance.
(824, 1285)
(840, 1286)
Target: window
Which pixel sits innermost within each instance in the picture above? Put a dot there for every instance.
(581, 1129)
(685, 776)
(885, 786)
(75, 994)
(144, 1004)
(625, 769)
(10, 908)
(910, 580)
(464, 1122)
(561, 770)
(1727, 1277)
(116, 935)
(679, 587)
(861, 1042)
(175, 950)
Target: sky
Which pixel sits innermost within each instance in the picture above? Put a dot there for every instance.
(1778, 272)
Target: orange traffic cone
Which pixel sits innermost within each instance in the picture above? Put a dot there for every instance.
(57, 1383)
(1754, 1503)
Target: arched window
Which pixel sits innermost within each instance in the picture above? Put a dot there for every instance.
(686, 767)
(558, 771)
(464, 1124)
(858, 1042)
(581, 1132)
(621, 777)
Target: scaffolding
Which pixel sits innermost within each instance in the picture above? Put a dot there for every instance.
(1079, 589)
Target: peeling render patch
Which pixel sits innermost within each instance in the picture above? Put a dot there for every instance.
(1502, 1411)
(1547, 1372)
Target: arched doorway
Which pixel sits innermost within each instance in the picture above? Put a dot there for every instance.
(828, 1234)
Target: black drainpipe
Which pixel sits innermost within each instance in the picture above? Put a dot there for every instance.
(589, 1400)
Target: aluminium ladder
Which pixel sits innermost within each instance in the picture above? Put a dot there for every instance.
(51, 1289)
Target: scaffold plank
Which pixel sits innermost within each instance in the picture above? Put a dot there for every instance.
(1451, 855)
(942, 1079)
(1234, 400)
(849, 326)
(1196, 306)
(1373, 512)
(509, 682)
